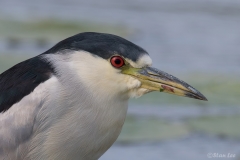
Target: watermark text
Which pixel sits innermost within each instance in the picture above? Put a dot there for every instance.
(221, 155)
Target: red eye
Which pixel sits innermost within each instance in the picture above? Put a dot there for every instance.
(117, 61)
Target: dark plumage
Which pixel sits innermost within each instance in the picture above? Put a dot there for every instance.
(21, 80)
(101, 44)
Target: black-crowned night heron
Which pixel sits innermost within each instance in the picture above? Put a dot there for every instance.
(70, 102)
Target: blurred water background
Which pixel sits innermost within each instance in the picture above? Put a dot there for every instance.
(195, 40)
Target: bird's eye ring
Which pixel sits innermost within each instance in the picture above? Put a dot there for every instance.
(117, 61)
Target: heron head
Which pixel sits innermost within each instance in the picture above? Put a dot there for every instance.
(112, 66)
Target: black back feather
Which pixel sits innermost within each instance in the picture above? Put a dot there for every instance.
(21, 80)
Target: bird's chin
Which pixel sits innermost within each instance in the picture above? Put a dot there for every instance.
(138, 92)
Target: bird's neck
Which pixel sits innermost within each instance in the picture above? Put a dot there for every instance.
(83, 124)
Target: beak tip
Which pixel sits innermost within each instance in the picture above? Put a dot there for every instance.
(198, 96)
(204, 98)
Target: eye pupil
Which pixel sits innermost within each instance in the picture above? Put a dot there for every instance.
(117, 61)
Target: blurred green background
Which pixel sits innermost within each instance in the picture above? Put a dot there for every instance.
(197, 41)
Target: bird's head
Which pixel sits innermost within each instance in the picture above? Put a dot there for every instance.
(112, 66)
